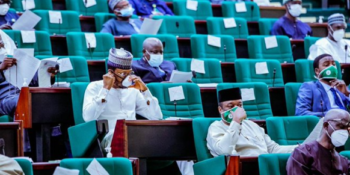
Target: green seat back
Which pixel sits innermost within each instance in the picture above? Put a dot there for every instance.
(326, 12)
(170, 50)
(115, 165)
(252, 13)
(204, 9)
(216, 26)
(305, 72)
(291, 91)
(78, 93)
(213, 166)
(26, 166)
(308, 42)
(39, 4)
(190, 107)
(76, 43)
(282, 53)
(101, 18)
(80, 72)
(79, 6)
(70, 22)
(265, 25)
(212, 70)
(5, 118)
(273, 164)
(260, 108)
(345, 154)
(200, 132)
(201, 49)
(42, 46)
(181, 26)
(246, 72)
(290, 130)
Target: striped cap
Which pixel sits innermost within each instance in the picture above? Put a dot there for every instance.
(119, 58)
(336, 19)
(285, 1)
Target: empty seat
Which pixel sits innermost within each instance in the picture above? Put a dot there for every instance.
(77, 46)
(70, 22)
(203, 11)
(258, 49)
(305, 72)
(260, 107)
(39, 5)
(247, 70)
(201, 49)
(79, 6)
(181, 26)
(291, 91)
(265, 25)
(252, 12)
(26, 166)
(216, 26)
(212, 166)
(273, 164)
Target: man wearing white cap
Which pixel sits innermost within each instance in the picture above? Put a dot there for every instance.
(333, 44)
(289, 25)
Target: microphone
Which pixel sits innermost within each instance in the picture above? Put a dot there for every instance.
(175, 107)
(59, 26)
(346, 51)
(225, 53)
(177, 24)
(239, 30)
(194, 74)
(57, 67)
(274, 77)
(89, 49)
(86, 7)
(251, 13)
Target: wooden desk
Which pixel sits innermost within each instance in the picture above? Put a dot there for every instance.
(298, 49)
(40, 109)
(278, 101)
(272, 12)
(59, 45)
(97, 68)
(12, 133)
(87, 24)
(201, 26)
(288, 70)
(345, 67)
(242, 165)
(319, 30)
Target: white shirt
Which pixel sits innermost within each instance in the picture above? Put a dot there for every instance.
(120, 104)
(336, 49)
(248, 139)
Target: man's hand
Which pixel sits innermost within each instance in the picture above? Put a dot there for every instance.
(52, 70)
(108, 80)
(139, 84)
(239, 115)
(5, 26)
(8, 62)
(341, 86)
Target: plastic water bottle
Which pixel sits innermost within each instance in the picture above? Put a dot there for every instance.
(25, 84)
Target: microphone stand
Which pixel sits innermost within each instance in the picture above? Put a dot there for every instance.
(225, 53)
(86, 7)
(175, 108)
(274, 76)
(59, 26)
(89, 49)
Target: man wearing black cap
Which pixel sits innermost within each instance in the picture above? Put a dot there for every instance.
(234, 135)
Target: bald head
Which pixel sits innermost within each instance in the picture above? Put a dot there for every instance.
(337, 114)
(152, 46)
(151, 42)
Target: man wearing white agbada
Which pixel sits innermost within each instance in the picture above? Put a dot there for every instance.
(234, 135)
(9, 166)
(333, 44)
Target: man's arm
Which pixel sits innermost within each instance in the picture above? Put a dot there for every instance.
(304, 102)
(93, 104)
(166, 8)
(148, 106)
(273, 147)
(277, 29)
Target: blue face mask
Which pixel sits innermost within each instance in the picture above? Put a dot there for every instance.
(126, 12)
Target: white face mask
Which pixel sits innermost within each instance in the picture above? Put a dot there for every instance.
(338, 34)
(295, 10)
(126, 82)
(338, 137)
(4, 8)
(155, 59)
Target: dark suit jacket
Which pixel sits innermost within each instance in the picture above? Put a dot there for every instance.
(309, 99)
(150, 74)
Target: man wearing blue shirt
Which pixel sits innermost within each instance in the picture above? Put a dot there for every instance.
(121, 25)
(289, 25)
(7, 18)
(149, 8)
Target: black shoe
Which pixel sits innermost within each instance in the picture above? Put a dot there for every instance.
(2, 146)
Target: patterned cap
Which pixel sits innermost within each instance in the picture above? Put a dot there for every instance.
(336, 19)
(285, 1)
(119, 58)
(113, 3)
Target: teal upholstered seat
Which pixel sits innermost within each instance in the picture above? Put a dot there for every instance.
(181, 26)
(212, 166)
(252, 10)
(203, 11)
(291, 91)
(216, 26)
(305, 72)
(273, 164)
(79, 6)
(265, 25)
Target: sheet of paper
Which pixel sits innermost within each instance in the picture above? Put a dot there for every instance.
(303, 11)
(309, 19)
(95, 168)
(28, 51)
(214, 41)
(89, 3)
(90, 39)
(24, 71)
(61, 84)
(178, 118)
(197, 66)
(192, 5)
(261, 68)
(43, 76)
(247, 94)
(28, 4)
(64, 171)
(55, 17)
(230, 23)
(180, 77)
(176, 93)
(27, 21)
(28, 36)
(240, 7)
(65, 65)
(207, 85)
(271, 42)
(150, 26)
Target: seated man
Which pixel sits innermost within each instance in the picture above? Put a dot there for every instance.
(318, 97)
(320, 157)
(9, 166)
(119, 96)
(7, 18)
(151, 67)
(234, 135)
(333, 44)
(289, 25)
(122, 24)
(150, 8)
